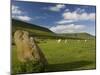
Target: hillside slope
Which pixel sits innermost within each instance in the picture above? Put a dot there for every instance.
(33, 29)
(43, 32)
(79, 35)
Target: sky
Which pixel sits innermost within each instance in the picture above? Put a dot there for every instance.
(59, 18)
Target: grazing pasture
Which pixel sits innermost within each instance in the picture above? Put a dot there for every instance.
(62, 56)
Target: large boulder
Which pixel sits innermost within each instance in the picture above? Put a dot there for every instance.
(30, 56)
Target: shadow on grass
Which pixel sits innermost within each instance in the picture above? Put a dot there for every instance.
(67, 66)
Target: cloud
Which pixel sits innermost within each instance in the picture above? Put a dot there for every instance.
(78, 16)
(16, 10)
(79, 10)
(66, 24)
(60, 6)
(71, 28)
(57, 8)
(17, 13)
(64, 21)
(66, 10)
(92, 16)
(75, 16)
(23, 18)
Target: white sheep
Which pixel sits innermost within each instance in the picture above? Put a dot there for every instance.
(59, 41)
(85, 40)
(78, 40)
(66, 41)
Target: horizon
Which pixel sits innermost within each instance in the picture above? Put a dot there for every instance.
(54, 32)
(59, 18)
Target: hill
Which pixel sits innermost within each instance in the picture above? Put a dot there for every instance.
(79, 35)
(43, 32)
(34, 30)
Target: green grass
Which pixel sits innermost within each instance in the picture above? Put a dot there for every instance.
(69, 56)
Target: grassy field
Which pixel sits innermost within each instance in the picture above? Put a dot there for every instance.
(72, 55)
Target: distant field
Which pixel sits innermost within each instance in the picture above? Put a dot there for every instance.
(73, 55)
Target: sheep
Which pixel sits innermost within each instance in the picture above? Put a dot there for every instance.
(59, 41)
(85, 40)
(66, 41)
(78, 40)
